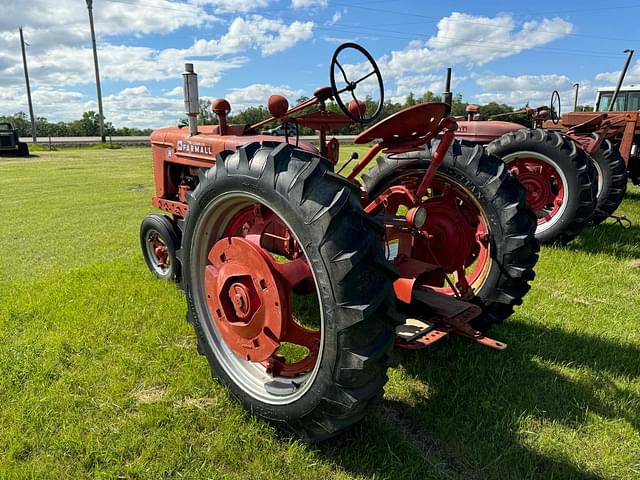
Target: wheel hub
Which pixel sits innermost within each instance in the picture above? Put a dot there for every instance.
(241, 298)
(544, 188)
(249, 305)
(455, 236)
(450, 236)
(161, 253)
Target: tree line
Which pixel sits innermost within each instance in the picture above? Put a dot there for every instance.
(88, 125)
(252, 115)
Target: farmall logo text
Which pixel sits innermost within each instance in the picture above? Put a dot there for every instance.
(193, 148)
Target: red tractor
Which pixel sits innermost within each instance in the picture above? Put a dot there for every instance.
(300, 281)
(559, 176)
(574, 174)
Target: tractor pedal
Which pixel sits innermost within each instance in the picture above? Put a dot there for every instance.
(451, 315)
(413, 329)
(415, 334)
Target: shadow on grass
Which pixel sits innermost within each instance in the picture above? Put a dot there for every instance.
(7, 158)
(631, 195)
(470, 423)
(609, 238)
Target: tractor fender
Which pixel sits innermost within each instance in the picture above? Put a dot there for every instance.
(483, 132)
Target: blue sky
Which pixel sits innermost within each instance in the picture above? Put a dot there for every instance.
(512, 52)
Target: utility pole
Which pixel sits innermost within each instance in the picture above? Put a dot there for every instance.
(26, 80)
(95, 63)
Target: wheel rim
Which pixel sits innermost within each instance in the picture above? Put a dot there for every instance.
(455, 236)
(269, 365)
(158, 253)
(599, 178)
(546, 185)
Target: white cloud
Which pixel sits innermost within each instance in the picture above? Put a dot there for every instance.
(60, 57)
(176, 92)
(534, 90)
(473, 40)
(65, 22)
(504, 83)
(309, 3)
(268, 36)
(419, 84)
(137, 106)
(258, 94)
(632, 76)
(50, 102)
(337, 40)
(73, 65)
(134, 106)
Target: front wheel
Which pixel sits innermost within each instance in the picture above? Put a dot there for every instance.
(478, 230)
(159, 240)
(288, 289)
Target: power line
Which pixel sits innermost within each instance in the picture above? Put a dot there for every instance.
(487, 23)
(432, 20)
(580, 10)
(500, 47)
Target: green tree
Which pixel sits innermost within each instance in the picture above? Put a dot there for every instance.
(206, 116)
(458, 106)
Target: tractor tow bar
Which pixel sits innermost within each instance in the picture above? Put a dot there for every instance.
(448, 315)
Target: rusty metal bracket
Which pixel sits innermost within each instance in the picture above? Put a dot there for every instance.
(450, 315)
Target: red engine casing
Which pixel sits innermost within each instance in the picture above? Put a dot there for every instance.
(178, 157)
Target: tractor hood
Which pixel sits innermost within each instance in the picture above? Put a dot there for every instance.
(481, 131)
(208, 143)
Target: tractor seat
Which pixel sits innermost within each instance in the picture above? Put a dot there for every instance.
(407, 124)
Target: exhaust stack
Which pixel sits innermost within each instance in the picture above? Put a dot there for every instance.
(575, 96)
(191, 98)
(623, 73)
(447, 96)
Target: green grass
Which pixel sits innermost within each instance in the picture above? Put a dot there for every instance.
(100, 378)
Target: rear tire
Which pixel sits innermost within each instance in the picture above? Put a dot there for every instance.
(612, 181)
(343, 248)
(571, 163)
(502, 200)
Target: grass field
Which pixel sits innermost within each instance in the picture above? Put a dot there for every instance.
(100, 378)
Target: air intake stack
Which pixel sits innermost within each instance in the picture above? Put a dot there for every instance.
(191, 98)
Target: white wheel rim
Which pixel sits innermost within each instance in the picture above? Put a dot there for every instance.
(249, 376)
(543, 227)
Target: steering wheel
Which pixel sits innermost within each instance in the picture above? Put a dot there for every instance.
(555, 112)
(359, 115)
